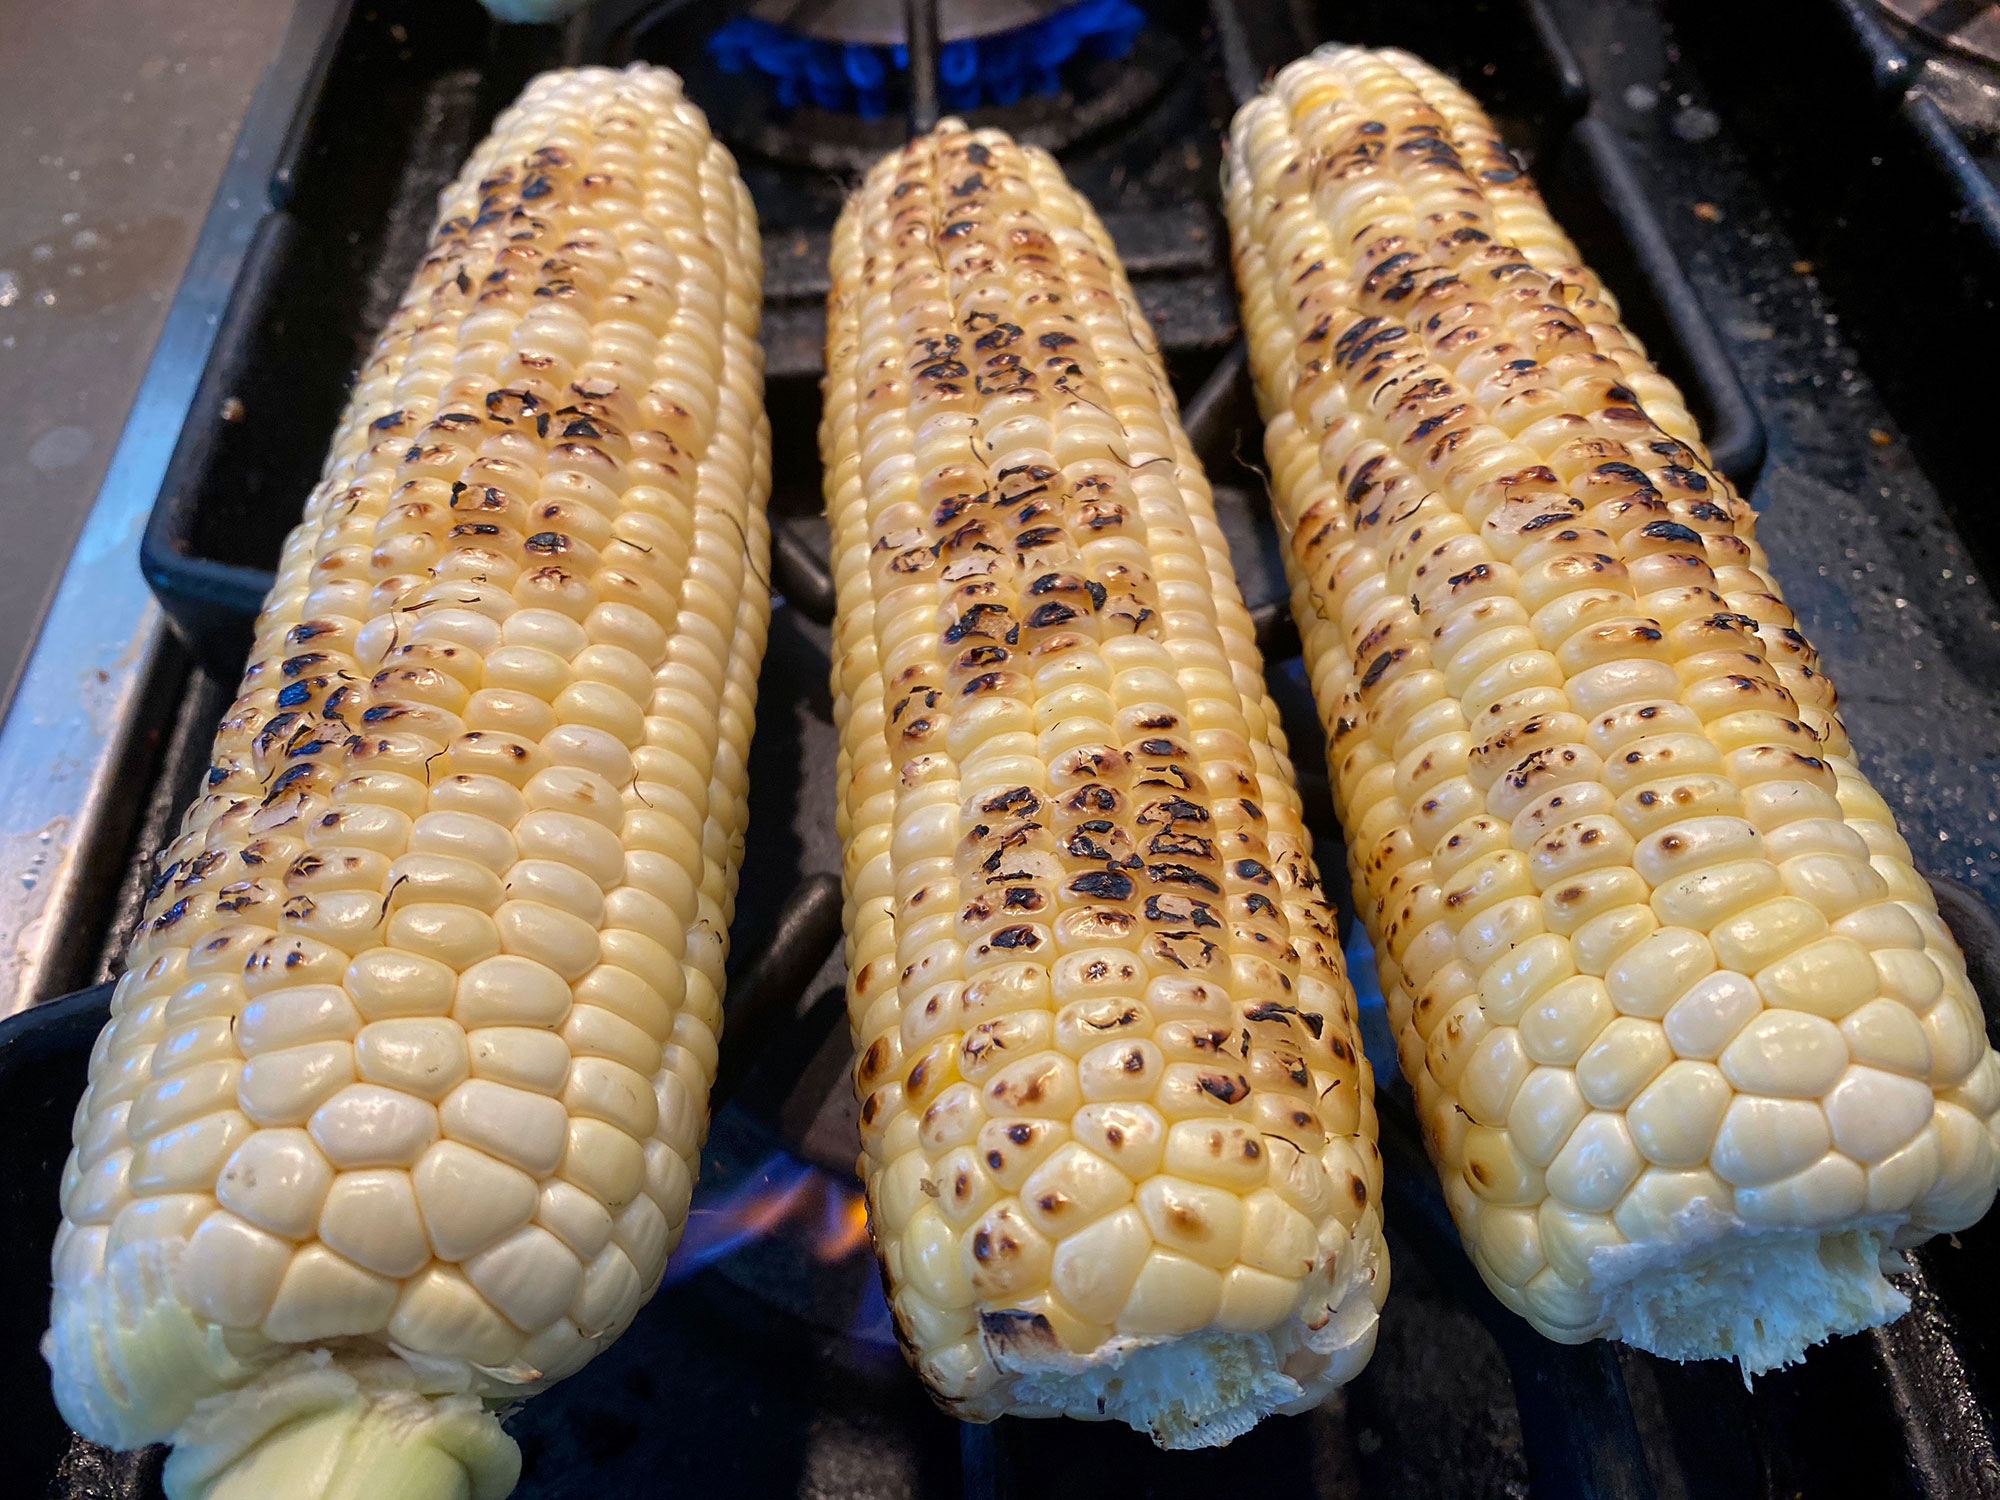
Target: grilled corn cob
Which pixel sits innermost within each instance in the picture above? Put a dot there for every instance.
(396, 1116)
(1692, 1050)
(1117, 1131)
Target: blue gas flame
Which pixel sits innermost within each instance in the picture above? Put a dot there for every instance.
(823, 1214)
(997, 69)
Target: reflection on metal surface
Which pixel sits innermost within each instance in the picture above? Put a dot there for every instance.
(1968, 93)
(1969, 27)
(76, 721)
(880, 23)
(34, 864)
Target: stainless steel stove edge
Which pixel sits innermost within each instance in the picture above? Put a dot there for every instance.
(78, 718)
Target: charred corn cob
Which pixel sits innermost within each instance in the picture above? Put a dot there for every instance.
(396, 1116)
(1117, 1131)
(1694, 1054)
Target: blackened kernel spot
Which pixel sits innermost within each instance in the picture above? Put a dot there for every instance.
(1225, 1087)
(1102, 885)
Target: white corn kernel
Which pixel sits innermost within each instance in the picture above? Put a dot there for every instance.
(525, 1130)
(276, 1180)
(468, 1199)
(367, 1125)
(1172, 1294)
(1785, 1053)
(529, 1276)
(1875, 1114)
(421, 1056)
(323, 1296)
(371, 1218)
(439, 1312)
(231, 1271)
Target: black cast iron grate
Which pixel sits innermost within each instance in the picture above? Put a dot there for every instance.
(762, 1369)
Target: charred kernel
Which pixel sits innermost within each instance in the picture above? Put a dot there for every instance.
(1229, 1089)
(1102, 885)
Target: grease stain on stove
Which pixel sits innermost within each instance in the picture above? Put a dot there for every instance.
(94, 267)
(60, 448)
(30, 862)
(844, 1461)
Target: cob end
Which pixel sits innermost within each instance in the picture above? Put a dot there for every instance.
(127, 1357)
(1206, 1389)
(1198, 1391)
(321, 1428)
(1762, 1300)
(132, 1365)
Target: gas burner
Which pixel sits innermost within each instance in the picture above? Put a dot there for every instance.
(1062, 73)
(768, 1340)
(791, 1232)
(1102, 93)
(846, 58)
(780, 1213)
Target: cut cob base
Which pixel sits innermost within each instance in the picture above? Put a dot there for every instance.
(1117, 1131)
(1759, 1297)
(1692, 1050)
(313, 1427)
(397, 1114)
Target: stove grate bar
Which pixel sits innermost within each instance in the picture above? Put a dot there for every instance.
(1239, 60)
(921, 28)
(802, 575)
(985, 1465)
(1946, 1426)
(763, 1000)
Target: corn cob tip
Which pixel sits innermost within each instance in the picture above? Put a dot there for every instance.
(1693, 1052)
(313, 1428)
(1117, 1130)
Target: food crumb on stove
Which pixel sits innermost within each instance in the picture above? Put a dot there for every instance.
(1878, 437)
(1695, 124)
(232, 409)
(1802, 268)
(1708, 213)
